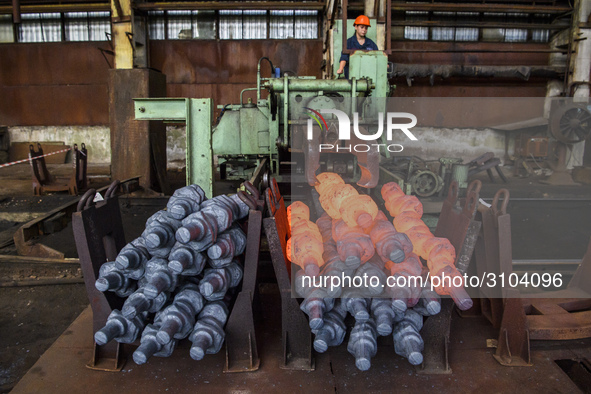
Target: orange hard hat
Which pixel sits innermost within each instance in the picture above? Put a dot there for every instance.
(362, 20)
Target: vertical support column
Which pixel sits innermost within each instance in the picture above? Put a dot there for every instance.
(578, 83)
(129, 36)
(199, 150)
(133, 142)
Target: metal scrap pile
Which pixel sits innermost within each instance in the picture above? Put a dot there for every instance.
(176, 276)
(353, 240)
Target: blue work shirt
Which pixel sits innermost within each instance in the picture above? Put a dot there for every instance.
(352, 43)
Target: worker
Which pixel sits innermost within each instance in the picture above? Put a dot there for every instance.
(357, 41)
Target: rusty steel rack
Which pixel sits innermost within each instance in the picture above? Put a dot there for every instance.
(458, 225)
(98, 232)
(296, 334)
(241, 340)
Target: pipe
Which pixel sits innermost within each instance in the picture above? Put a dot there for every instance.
(259, 77)
(446, 71)
(314, 85)
(16, 11)
(245, 90)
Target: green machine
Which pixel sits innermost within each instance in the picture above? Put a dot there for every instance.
(257, 139)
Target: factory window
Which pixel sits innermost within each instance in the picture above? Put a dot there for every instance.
(306, 24)
(472, 26)
(87, 26)
(287, 24)
(156, 25)
(455, 33)
(179, 25)
(69, 26)
(182, 25)
(281, 24)
(6, 29)
(233, 24)
(416, 32)
(40, 27)
(236, 25)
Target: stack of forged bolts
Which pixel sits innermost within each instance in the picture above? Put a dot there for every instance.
(177, 276)
(358, 241)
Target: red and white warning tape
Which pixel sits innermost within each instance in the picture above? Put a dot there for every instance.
(25, 160)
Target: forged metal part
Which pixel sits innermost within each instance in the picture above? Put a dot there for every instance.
(354, 246)
(316, 301)
(217, 281)
(113, 279)
(138, 302)
(390, 244)
(357, 306)
(142, 282)
(133, 255)
(374, 268)
(135, 274)
(151, 347)
(363, 344)
(127, 291)
(242, 208)
(121, 329)
(335, 269)
(398, 296)
(332, 332)
(159, 277)
(224, 209)
(177, 320)
(208, 334)
(217, 310)
(229, 244)
(349, 265)
(235, 273)
(408, 342)
(315, 306)
(185, 201)
(185, 260)
(238, 208)
(201, 227)
(429, 304)
(159, 233)
(383, 315)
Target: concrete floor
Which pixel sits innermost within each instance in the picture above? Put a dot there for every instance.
(31, 318)
(62, 367)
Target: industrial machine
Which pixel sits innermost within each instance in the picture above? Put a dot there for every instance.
(268, 137)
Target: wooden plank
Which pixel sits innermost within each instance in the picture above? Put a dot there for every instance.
(8, 259)
(7, 237)
(40, 282)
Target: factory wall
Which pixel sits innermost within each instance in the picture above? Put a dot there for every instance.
(59, 91)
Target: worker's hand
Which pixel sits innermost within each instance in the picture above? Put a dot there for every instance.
(341, 70)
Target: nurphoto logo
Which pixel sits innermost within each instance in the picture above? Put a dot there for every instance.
(344, 133)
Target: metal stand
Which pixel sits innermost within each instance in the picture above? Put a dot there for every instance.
(296, 334)
(493, 254)
(98, 232)
(462, 231)
(241, 344)
(565, 315)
